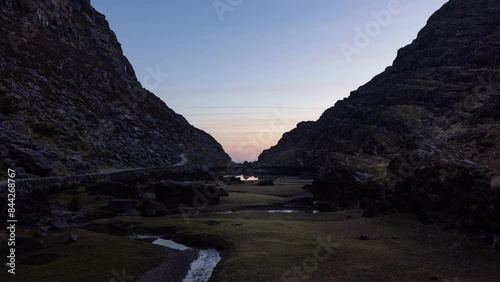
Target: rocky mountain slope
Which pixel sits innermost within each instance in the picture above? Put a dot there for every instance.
(71, 102)
(442, 88)
(425, 131)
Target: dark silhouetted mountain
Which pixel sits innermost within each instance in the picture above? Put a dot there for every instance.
(71, 102)
(423, 135)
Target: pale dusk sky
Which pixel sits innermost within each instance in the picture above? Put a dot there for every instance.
(247, 71)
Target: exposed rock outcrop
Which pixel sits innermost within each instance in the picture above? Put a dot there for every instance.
(172, 194)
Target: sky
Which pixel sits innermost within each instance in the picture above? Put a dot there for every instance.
(247, 71)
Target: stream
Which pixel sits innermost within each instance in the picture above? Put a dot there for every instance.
(201, 268)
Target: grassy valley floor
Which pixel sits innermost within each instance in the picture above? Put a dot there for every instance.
(260, 246)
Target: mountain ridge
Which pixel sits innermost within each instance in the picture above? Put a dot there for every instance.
(418, 90)
(72, 102)
(423, 135)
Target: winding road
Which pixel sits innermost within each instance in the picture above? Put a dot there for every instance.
(184, 160)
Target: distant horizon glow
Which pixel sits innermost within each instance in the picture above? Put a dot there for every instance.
(251, 72)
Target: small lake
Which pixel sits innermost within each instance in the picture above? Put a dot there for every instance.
(247, 178)
(282, 211)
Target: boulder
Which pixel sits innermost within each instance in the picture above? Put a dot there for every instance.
(343, 187)
(39, 259)
(266, 183)
(199, 196)
(133, 212)
(121, 205)
(43, 231)
(172, 194)
(74, 205)
(153, 208)
(223, 193)
(70, 237)
(443, 184)
(322, 206)
(228, 180)
(91, 214)
(59, 224)
(168, 193)
(116, 189)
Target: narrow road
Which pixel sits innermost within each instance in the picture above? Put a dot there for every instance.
(184, 160)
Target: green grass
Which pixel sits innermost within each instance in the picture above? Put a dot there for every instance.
(261, 246)
(91, 258)
(266, 245)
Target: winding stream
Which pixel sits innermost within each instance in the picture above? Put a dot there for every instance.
(201, 268)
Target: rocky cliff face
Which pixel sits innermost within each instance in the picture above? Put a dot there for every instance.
(441, 89)
(425, 130)
(71, 102)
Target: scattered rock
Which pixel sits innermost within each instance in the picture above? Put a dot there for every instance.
(43, 231)
(59, 225)
(70, 237)
(199, 195)
(151, 208)
(223, 193)
(364, 237)
(491, 239)
(134, 212)
(322, 206)
(74, 205)
(116, 189)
